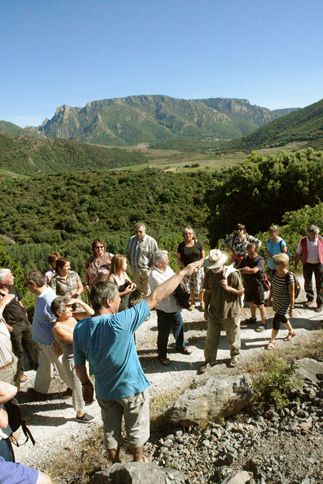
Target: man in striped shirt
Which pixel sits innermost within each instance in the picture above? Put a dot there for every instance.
(141, 248)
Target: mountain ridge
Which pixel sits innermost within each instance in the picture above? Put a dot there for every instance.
(152, 119)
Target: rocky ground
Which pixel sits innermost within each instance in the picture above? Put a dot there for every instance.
(282, 446)
(56, 432)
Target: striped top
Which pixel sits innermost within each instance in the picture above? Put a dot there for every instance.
(280, 292)
(140, 253)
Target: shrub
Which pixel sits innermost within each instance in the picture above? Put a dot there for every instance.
(274, 385)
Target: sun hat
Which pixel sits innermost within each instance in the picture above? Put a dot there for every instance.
(216, 259)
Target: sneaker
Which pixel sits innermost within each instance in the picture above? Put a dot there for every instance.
(204, 368)
(234, 361)
(86, 418)
(164, 361)
(185, 351)
(319, 308)
(249, 321)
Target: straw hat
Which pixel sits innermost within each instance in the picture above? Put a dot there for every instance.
(216, 259)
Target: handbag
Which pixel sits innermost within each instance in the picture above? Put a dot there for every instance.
(182, 296)
(16, 421)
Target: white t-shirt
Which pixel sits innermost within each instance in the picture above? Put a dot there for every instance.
(156, 278)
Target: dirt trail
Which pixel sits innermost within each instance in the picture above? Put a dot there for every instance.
(52, 421)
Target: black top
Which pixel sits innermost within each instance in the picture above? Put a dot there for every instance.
(190, 254)
(250, 279)
(13, 312)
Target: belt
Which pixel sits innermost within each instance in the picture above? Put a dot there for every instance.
(7, 364)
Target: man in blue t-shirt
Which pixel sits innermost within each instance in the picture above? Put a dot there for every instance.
(42, 333)
(106, 341)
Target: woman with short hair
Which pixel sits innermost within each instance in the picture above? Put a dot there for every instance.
(283, 297)
(275, 245)
(191, 250)
(66, 282)
(63, 330)
(99, 263)
(238, 242)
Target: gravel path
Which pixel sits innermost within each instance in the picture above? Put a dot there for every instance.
(52, 421)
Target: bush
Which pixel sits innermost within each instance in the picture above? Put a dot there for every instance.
(275, 384)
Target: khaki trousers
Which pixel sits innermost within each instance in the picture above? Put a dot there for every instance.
(75, 384)
(8, 374)
(214, 326)
(46, 358)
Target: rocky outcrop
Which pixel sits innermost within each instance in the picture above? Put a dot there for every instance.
(211, 399)
(138, 473)
(309, 369)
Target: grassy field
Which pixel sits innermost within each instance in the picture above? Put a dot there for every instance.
(185, 161)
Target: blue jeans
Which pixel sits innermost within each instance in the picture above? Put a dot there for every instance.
(167, 322)
(6, 450)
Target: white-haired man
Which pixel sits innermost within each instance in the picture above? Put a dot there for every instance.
(223, 291)
(310, 251)
(169, 316)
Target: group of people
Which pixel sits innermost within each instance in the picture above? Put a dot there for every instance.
(69, 334)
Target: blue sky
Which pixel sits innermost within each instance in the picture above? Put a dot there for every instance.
(56, 52)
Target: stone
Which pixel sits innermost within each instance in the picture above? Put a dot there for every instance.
(137, 473)
(240, 477)
(212, 398)
(309, 369)
(307, 425)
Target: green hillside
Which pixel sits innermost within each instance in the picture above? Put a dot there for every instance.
(10, 128)
(65, 213)
(303, 125)
(29, 156)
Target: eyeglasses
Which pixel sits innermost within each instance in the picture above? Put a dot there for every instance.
(99, 247)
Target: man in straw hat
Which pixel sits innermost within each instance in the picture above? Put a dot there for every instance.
(223, 291)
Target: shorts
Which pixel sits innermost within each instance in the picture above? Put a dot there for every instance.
(255, 294)
(135, 410)
(279, 318)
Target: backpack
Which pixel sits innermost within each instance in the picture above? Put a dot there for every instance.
(297, 284)
(265, 281)
(281, 247)
(16, 421)
(227, 271)
(182, 296)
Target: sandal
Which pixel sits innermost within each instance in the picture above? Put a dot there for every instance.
(290, 335)
(270, 345)
(261, 328)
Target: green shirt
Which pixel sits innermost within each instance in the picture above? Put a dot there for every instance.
(222, 304)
